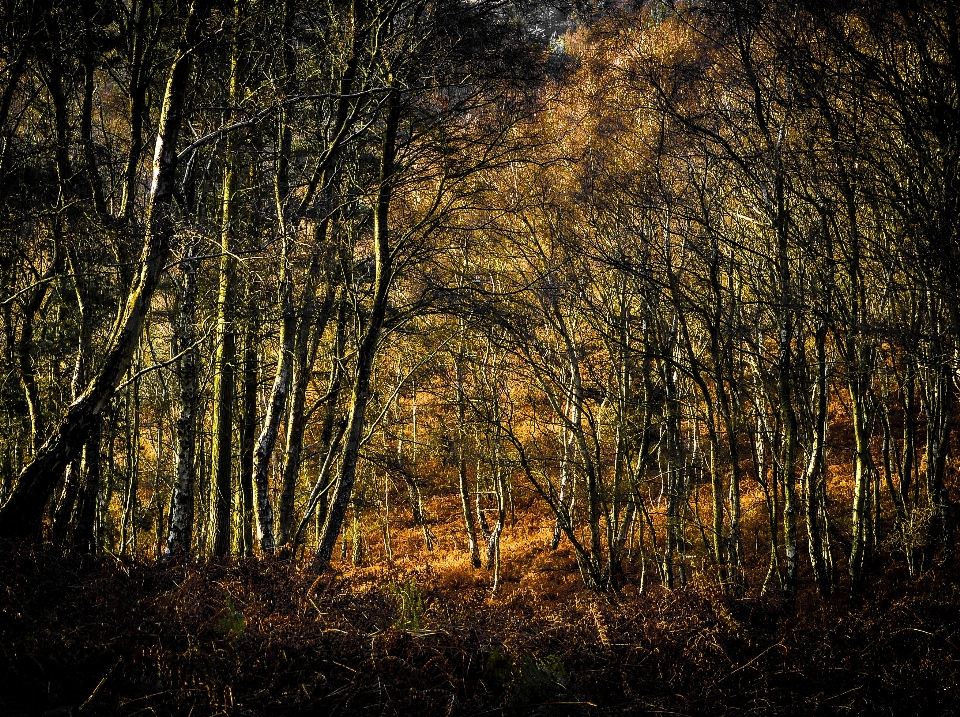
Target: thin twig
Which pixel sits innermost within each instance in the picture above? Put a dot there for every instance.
(164, 364)
(99, 685)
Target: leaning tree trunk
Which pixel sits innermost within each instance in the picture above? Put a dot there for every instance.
(368, 344)
(330, 434)
(275, 406)
(22, 515)
(313, 322)
(63, 517)
(288, 320)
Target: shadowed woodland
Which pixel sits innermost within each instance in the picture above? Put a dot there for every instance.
(487, 357)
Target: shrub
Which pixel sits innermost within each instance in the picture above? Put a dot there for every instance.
(409, 604)
(231, 622)
(532, 685)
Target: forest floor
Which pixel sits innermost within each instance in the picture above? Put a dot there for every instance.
(423, 635)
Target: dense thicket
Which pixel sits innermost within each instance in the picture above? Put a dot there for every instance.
(689, 274)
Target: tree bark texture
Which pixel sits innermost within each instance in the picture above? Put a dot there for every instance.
(180, 534)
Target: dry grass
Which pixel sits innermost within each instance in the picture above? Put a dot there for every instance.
(266, 637)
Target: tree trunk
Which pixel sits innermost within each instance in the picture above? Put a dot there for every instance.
(139, 82)
(86, 132)
(330, 435)
(271, 422)
(671, 451)
(814, 476)
(468, 518)
(221, 452)
(566, 443)
(248, 423)
(14, 70)
(180, 534)
(312, 323)
(493, 544)
(863, 468)
(938, 404)
(590, 467)
(25, 345)
(277, 401)
(225, 356)
(367, 350)
(908, 484)
(86, 537)
(65, 514)
(128, 523)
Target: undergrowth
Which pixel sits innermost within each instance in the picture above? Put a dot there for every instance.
(248, 637)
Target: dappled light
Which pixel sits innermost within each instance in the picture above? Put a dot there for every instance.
(466, 357)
